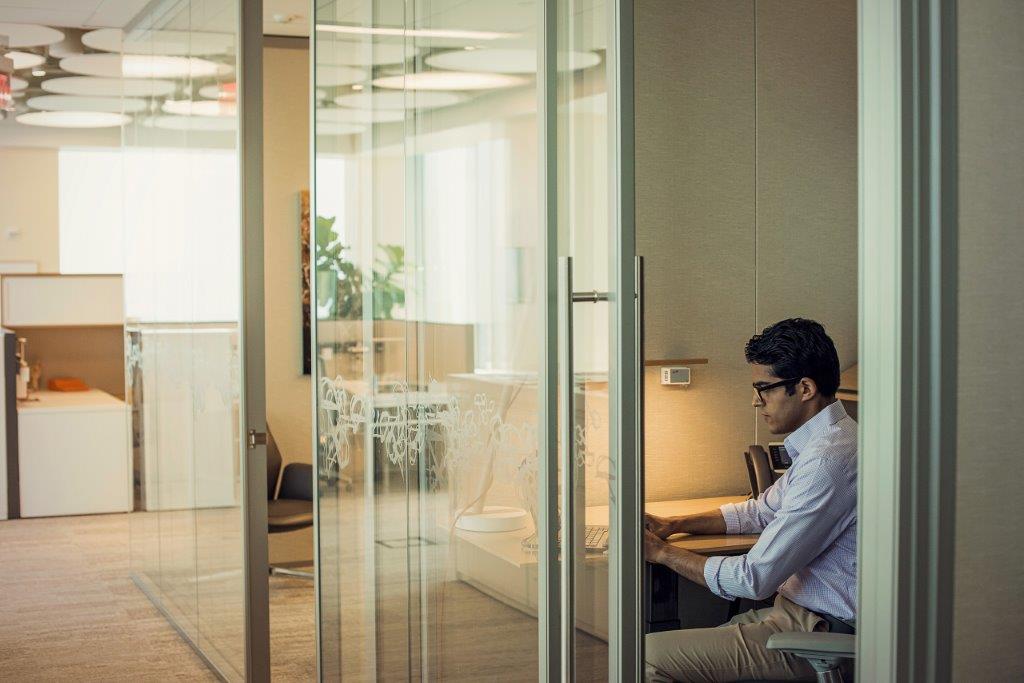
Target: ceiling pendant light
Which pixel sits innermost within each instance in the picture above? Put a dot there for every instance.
(393, 99)
(25, 60)
(200, 108)
(142, 66)
(29, 35)
(448, 80)
(116, 105)
(508, 60)
(108, 87)
(73, 119)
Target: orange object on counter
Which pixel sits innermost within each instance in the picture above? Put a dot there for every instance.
(67, 384)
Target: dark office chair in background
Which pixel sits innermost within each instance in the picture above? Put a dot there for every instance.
(292, 506)
(759, 470)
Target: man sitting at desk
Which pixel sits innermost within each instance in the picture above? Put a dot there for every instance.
(807, 520)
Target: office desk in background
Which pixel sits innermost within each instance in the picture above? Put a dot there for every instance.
(497, 564)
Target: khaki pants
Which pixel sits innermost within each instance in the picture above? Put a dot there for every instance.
(735, 651)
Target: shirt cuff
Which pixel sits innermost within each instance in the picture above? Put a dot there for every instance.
(732, 518)
(711, 568)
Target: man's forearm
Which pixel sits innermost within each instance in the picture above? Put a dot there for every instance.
(711, 522)
(683, 562)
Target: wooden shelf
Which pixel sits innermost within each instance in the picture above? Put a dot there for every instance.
(676, 361)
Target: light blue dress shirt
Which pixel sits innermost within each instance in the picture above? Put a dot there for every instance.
(808, 525)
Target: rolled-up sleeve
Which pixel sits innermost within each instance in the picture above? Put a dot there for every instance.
(751, 516)
(807, 522)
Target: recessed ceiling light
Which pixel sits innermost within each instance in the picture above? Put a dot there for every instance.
(329, 75)
(508, 60)
(358, 87)
(24, 60)
(347, 115)
(38, 73)
(116, 105)
(73, 119)
(179, 43)
(392, 99)
(29, 35)
(413, 32)
(108, 87)
(448, 80)
(191, 123)
(142, 66)
(200, 108)
(359, 52)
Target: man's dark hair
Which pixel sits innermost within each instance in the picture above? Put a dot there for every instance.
(797, 348)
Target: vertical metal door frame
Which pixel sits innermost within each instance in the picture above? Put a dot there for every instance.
(252, 342)
(549, 624)
(625, 590)
(908, 337)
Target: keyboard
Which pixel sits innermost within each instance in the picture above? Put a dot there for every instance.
(595, 539)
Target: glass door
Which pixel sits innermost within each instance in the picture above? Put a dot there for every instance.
(462, 156)
(194, 308)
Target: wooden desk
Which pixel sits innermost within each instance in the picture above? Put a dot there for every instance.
(497, 564)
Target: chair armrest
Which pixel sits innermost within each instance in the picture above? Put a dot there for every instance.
(297, 482)
(823, 651)
(841, 645)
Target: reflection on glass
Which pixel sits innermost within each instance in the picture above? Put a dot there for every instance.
(182, 303)
(428, 333)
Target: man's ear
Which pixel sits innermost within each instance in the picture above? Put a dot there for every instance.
(808, 388)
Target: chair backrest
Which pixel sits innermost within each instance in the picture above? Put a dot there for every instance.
(758, 463)
(273, 465)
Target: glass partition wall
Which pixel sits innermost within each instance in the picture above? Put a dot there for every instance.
(183, 309)
(461, 232)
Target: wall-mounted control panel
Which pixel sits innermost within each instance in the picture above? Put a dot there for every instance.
(675, 376)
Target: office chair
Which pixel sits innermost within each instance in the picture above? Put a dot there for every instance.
(292, 506)
(759, 470)
(825, 652)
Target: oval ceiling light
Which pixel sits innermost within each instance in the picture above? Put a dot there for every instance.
(25, 60)
(226, 92)
(142, 66)
(346, 115)
(108, 87)
(508, 60)
(391, 99)
(448, 80)
(178, 43)
(18, 84)
(329, 128)
(200, 108)
(330, 75)
(191, 123)
(73, 119)
(115, 105)
(355, 53)
(29, 35)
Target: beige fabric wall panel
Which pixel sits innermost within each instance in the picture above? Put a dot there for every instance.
(807, 168)
(286, 164)
(695, 229)
(28, 205)
(989, 583)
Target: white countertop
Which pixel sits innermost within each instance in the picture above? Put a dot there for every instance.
(92, 400)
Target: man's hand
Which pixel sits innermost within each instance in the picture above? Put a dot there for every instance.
(654, 547)
(662, 527)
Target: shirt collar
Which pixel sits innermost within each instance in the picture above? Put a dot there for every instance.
(826, 417)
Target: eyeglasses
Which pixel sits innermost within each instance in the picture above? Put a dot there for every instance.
(761, 387)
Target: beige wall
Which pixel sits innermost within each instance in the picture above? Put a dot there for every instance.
(286, 174)
(989, 581)
(28, 202)
(746, 209)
